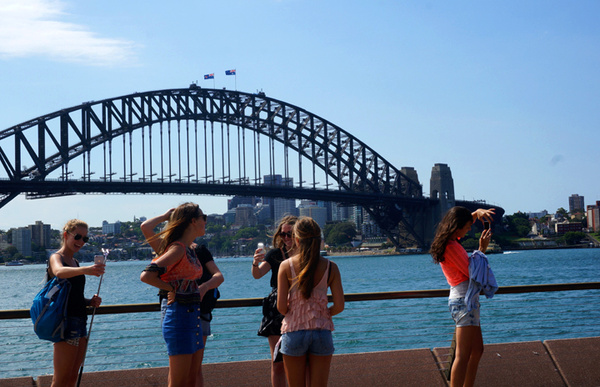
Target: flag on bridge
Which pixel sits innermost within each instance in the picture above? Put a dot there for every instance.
(209, 76)
(230, 72)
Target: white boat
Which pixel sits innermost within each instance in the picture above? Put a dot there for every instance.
(14, 263)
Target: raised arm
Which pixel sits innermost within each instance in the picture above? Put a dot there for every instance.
(149, 225)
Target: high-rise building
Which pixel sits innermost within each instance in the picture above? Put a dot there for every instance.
(244, 216)
(111, 228)
(576, 203)
(313, 210)
(279, 207)
(593, 217)
(40, 234)
(21, 239)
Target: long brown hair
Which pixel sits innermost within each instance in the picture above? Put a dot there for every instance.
(180, 219)
(308, 234)
(455, 219)
(277, 239)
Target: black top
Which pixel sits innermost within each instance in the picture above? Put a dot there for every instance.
(77, 304)
(274, 258)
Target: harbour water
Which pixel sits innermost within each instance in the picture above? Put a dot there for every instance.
(133, 341)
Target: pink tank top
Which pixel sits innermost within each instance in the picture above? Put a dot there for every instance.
(307, 314)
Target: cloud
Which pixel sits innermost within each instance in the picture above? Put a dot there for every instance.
(33, 28)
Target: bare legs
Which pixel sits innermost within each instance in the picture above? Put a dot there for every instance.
(200, 379)
(67, 361)
(296, 369)
(469, 348)
(184, 370)
(277, 370)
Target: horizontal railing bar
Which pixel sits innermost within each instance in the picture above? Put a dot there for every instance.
(351, 297)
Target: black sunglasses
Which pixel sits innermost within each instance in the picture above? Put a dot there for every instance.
(203, 216)
(79, 236)
(285, 234)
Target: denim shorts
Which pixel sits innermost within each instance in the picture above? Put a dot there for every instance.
(460, 315)
(314, 342)
(76, 328)
(205, 317)
(182, 329)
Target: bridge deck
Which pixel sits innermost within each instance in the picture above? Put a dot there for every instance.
(571, 362)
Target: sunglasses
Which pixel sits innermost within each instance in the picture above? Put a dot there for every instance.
(79, 236)
(203, 216)
(285, 234)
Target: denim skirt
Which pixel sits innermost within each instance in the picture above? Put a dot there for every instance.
(182, 329)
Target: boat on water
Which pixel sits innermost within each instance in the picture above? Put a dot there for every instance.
(14, 263)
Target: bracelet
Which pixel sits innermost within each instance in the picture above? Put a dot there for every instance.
(254, 264)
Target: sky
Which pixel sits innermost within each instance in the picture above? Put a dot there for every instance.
(506, 93)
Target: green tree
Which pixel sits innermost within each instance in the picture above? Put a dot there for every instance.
(562, 213)
(573, 237)
(518, 224)
(340, 233)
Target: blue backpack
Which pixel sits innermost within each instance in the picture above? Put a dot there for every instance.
(49, 310)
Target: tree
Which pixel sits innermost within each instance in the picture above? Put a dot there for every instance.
(340, 233)
(573, 237)
(518, 224)
(562, 213)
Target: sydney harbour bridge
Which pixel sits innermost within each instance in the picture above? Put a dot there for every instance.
(217, 142)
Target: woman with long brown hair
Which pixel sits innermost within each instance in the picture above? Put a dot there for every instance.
(303, 281)
(454, 260)
(270, 327)
(181, 326)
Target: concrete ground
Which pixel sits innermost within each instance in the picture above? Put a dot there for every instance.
(572, 362)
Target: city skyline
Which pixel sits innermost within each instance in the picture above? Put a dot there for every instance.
(505, 94)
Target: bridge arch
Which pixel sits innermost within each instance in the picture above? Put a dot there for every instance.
(205, 141)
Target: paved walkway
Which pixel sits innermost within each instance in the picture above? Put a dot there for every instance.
(572, 363)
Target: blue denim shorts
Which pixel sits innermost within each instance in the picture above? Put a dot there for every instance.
(76, 328)
(205, 317)
(314, 342)
(182, 329)
(460, 315)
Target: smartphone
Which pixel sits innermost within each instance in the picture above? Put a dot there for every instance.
(486, 225)
(99, 259)
(261, 246)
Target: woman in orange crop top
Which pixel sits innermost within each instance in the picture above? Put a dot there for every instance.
(454, 261)
(181, 325)
(302, 284)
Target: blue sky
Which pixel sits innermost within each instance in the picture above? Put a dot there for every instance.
(505, 93)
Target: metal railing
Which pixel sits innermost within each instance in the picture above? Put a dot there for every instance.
(129, 336)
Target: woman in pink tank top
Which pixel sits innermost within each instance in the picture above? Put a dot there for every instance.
(302, 298)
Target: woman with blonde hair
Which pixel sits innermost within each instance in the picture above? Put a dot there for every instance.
(210, 280)
(70, 352)
(303, 281)
(181, 326)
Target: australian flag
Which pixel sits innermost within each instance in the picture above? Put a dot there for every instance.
(230, 72)
(209, 76)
